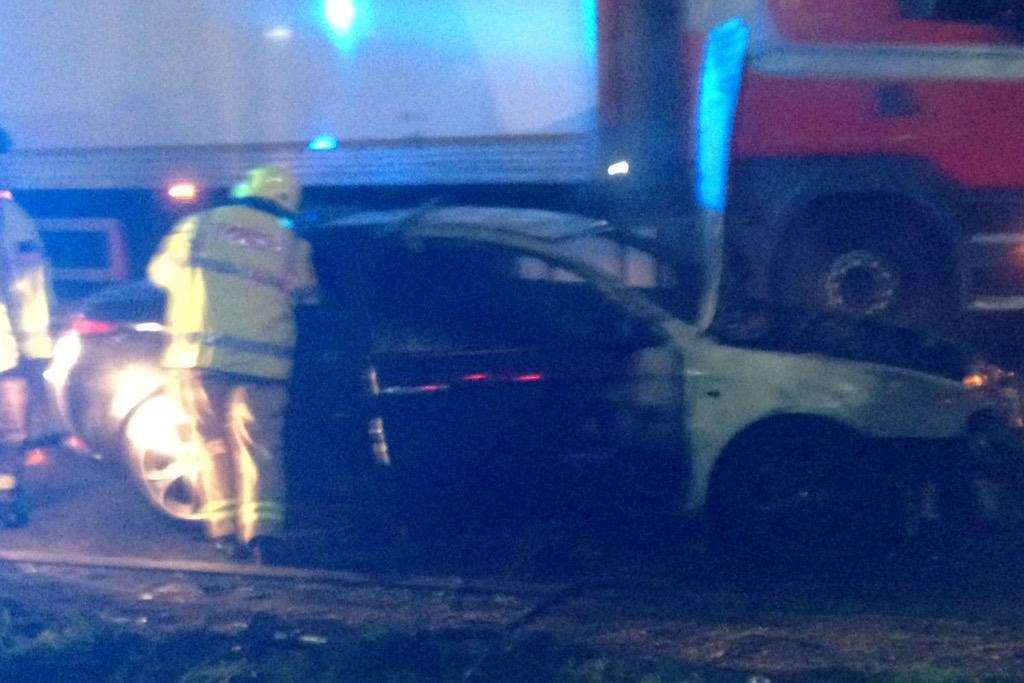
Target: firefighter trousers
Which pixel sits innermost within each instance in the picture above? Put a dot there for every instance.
(13, 428)
(234, 425)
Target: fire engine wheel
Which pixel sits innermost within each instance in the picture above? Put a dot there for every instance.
(861, 282)
(799, 498)
(162, 464)
(862, 263)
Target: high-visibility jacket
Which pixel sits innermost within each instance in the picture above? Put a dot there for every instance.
(233, 276)
(24, 289)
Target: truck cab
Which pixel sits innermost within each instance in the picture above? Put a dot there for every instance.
(876, 158)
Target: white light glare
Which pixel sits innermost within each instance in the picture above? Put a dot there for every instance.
(619, 168)
(155, 427)
(131, 386)
(341, 15)
(66, 352)
(183, 192)
(279, 34)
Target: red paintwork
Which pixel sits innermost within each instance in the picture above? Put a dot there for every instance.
(616, 37)
(869, 21)
(971, 131)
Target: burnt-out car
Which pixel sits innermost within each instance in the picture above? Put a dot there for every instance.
(549, 355)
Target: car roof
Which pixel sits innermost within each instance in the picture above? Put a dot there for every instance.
(536, 223)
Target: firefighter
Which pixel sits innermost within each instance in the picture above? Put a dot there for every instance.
(233, 276)
(25, 349)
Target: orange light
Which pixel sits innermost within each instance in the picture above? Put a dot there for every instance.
(36, 457)
(975, 380)
(6, 195)
(531, 377)
(183, 192)
(76, 444)
(476, 377)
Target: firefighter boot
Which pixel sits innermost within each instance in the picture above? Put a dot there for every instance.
(13, 505)
(14, 509)
(230, 548)
(267, 550)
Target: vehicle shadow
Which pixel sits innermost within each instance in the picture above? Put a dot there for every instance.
(599, 541)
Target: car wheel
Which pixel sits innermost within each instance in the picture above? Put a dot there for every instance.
(801, 499)
(163, 465)
(864, 262)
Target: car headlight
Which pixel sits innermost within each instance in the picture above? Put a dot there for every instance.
(986, 376)
(998, 383)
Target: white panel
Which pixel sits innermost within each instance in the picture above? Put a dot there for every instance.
(104, 73)
(543, 159)
(895, 63)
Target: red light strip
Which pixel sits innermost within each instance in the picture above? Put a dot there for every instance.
(87, 327)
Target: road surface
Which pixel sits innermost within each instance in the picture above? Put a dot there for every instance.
(650, 600)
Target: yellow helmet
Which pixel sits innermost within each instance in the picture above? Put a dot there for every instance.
(273, 183)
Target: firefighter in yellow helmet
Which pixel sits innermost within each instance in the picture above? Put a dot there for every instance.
(25, 348)
(233, 275)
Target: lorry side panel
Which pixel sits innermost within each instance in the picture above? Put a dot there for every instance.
(131, 94)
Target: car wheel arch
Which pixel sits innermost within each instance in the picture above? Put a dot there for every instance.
(742, 447)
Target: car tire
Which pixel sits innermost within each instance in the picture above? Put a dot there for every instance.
(804, 497)
(159, 462)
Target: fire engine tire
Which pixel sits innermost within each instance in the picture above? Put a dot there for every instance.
(803, 496)
(861, 261)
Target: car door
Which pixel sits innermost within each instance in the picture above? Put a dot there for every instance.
(511, 383)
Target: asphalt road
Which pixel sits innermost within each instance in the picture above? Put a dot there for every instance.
(639, 593)
(86, 507)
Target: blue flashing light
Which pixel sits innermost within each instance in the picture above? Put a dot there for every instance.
(588, 11)
(721, 77)
(323, 143)
(347, 22)
(340, 15)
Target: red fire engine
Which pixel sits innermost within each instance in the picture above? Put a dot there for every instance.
(876, 163)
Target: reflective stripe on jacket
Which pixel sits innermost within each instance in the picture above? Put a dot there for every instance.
(25, 298)
(232, 275)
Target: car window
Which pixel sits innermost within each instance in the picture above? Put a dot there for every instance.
(674, 285)
(442, 298)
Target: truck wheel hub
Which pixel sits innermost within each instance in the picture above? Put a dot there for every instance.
(861, 283)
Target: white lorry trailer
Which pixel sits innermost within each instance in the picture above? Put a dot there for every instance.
(110, 106)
